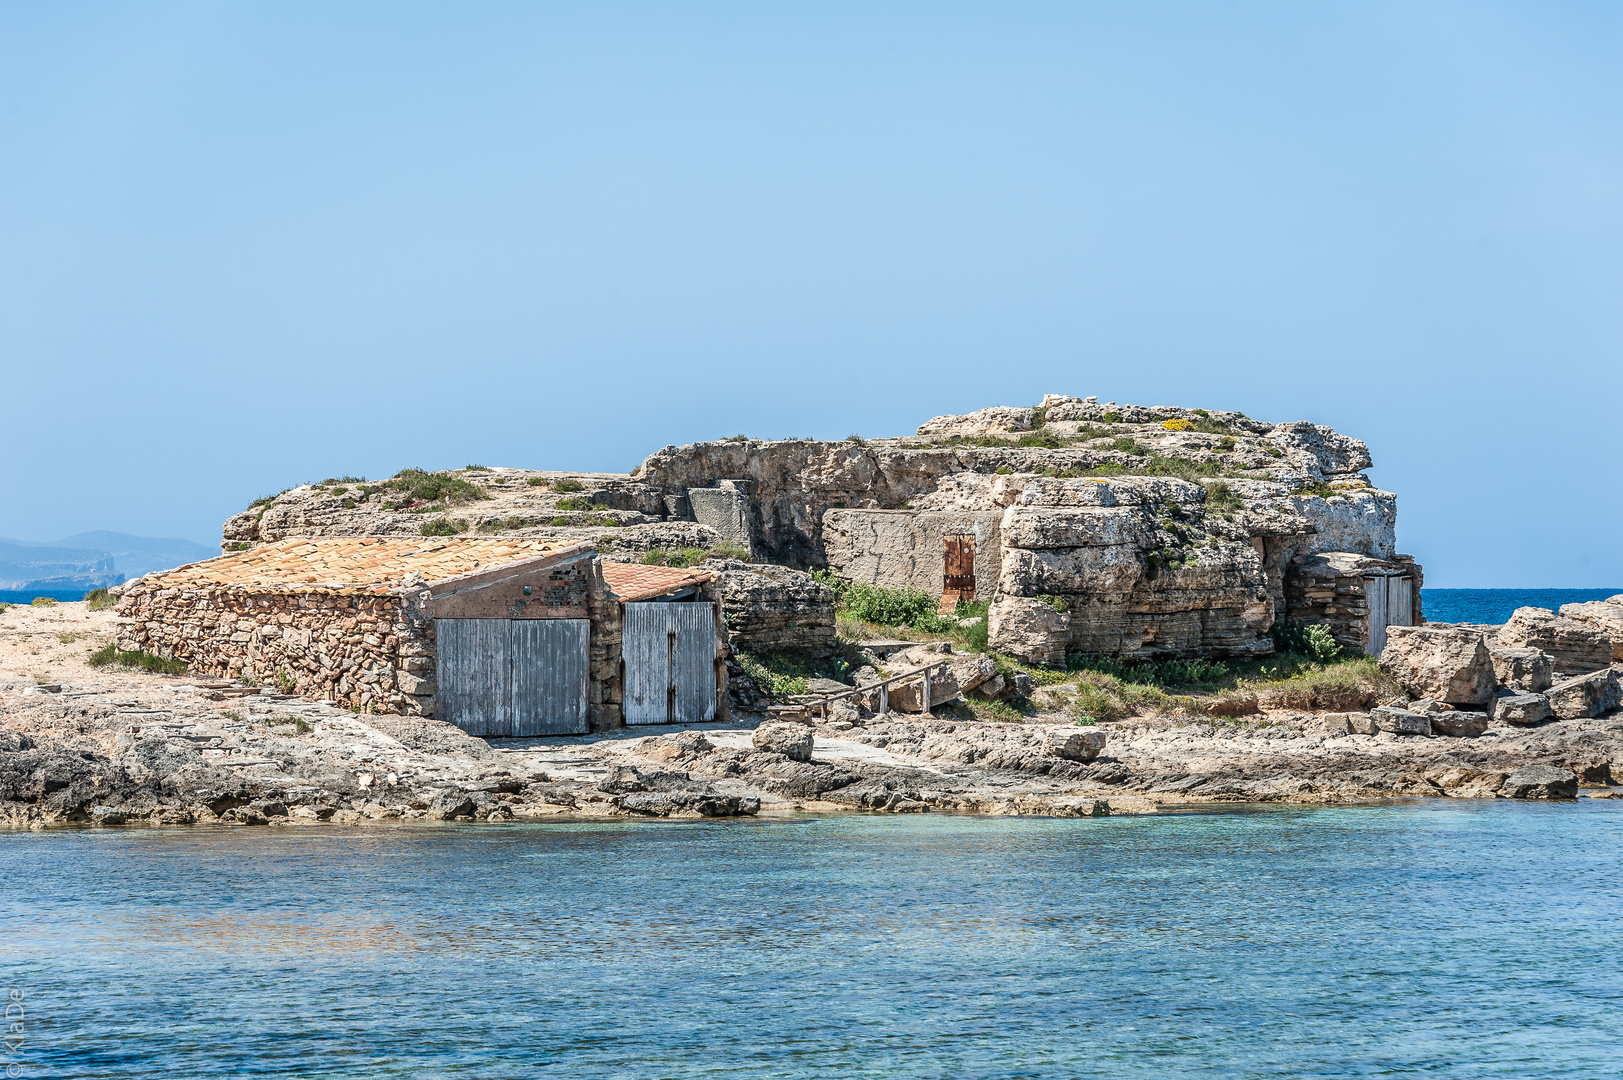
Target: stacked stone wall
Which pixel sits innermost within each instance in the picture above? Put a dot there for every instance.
(361, 650)
(1328, 589)
(606, 694)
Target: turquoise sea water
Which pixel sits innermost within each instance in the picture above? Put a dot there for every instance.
(1448, 939)
(1496, 605)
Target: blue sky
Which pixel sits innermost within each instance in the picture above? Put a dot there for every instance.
(248, 245)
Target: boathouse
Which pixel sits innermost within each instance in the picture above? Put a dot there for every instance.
(500, 636)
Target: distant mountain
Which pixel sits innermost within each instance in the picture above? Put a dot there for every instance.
(91, 560)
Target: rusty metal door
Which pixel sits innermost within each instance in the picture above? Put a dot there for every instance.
(670, 663)
(958, 572)
(551, 669)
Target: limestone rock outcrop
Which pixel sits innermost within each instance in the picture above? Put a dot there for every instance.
(1604, 615)
(1445, 664)
(1522, 709)
(1523, 669)
(1586, 695)
(1540, 782)
(1573, 646)
(793, 741)
(773, 609)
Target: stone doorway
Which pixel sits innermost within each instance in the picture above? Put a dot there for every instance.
(958, 572)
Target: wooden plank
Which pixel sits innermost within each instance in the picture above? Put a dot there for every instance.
(1400, 602)
(643, 644)
(693, 674)
(551, 675)
(474, 668)
(1375, 599)
(669, 651)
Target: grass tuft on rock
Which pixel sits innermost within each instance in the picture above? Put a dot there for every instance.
(99, 599)
(112, 656)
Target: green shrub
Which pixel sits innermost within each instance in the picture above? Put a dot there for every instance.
(1221, 497)
(535, 481)
(858, 439)
(1319, 488)
(1112, 417)
(99, 599)
(1149, 673)
(895, 607)
(1058, 603)
(444, 527)
(44, 601)
(558, 521)
(110, 656)
(1004, 470)
(736, 438)
(417, 485)
(1345, 685)
(567, 484)
(1273, 451)
(1312, 640)
(1130, 446)
(777, 676)
(477, 468)
(575, 504)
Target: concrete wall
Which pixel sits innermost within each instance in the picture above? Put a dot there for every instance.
(905, 549)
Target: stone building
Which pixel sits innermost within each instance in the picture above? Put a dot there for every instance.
(501, 636)
(1133, 531)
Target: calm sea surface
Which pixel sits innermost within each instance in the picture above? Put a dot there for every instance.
(1496, 605)
(1452, 940)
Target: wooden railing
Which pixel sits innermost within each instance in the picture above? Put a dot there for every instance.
(883, 687)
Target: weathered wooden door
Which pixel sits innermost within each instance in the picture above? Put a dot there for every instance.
(1400, 601)
(670, 663)
(1391, 603)
(551, 671)
(474, 670)
(958, 572)
(504, 677)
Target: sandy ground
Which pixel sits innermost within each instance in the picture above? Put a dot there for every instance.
(110, 746)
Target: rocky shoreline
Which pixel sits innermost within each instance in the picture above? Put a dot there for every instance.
(108, 747)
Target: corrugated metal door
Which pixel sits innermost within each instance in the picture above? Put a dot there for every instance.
(551, 670)
(503, 677)
(670, 652)
(474, 670)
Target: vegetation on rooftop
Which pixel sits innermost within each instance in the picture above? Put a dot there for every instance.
(693, 556)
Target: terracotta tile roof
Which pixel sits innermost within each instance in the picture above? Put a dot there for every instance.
(373, 564)
(633, 581)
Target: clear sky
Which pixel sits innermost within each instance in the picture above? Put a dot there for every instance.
(246, 245)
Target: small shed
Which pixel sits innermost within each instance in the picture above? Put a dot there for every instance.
(673, 648)
(502, 637)
(1356, 596)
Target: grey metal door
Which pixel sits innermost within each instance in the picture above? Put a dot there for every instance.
(550, 675)
(503, 677)
(670, 654)
(474, 670)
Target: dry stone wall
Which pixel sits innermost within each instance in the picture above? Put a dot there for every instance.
(1328, 588)
(360, 650)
